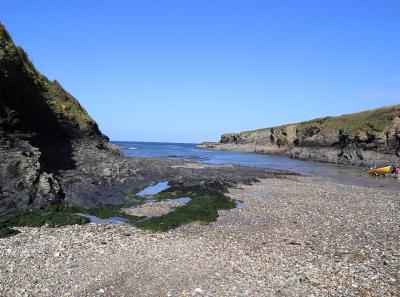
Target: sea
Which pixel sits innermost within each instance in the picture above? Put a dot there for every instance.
(345, 174)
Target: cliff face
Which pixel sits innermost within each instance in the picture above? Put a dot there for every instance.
(52, 151)
(367, 138)
(41, 126)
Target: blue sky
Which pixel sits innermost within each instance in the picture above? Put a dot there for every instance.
(189, 70)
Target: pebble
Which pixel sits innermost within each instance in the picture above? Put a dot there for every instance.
(198, 291)
(298, 236)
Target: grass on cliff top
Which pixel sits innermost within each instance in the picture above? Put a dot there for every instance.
(7, 47)
(376, 120)
(10, 51)
(370, 120)
(66, 103)
(53, 91)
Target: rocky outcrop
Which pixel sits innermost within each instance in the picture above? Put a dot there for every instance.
(52, 151)
(369, 138)
(40, 126)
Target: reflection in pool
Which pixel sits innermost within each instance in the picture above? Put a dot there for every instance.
(153, 189)
(94, 219)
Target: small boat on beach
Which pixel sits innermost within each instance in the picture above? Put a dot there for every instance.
(379, 171)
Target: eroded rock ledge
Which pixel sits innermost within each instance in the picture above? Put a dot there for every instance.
(369, 138)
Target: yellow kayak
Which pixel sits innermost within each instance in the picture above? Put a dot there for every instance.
(381, 170)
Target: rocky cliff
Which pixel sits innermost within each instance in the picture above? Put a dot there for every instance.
(369, 138)
(52, 151)
(41, 126)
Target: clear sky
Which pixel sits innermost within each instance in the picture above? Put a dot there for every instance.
(189, 70)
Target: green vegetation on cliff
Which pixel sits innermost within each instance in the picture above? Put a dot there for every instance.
(375, 120)
(52, 92)
(367, 138)
(64, 102)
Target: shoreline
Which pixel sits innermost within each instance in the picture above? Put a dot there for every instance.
(330, 154)
(296, 236)
(349, 174)
(368, 138)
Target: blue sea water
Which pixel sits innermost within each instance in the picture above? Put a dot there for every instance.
(341, 173)
(188, 151)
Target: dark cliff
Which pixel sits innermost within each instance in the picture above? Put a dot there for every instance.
(369, 138)
(40, 126)
(52, 152)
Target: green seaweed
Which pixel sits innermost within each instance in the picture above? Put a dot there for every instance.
(176, 190)
(135, 199)
(57, 216)
(206, 200)
(53, 217)
(6, 232)
(202, 209)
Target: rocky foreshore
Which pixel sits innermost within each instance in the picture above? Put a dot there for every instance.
(291, 235)
(295, 236)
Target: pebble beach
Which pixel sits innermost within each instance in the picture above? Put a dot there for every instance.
(293, 236)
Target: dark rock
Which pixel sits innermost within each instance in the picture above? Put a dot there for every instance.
(229, 138)
(52, 151)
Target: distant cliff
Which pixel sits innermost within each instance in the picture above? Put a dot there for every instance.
(368, 138)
